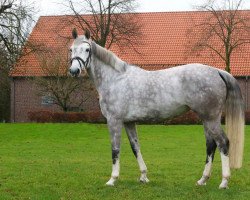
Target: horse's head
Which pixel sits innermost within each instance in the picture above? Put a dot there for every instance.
(80, 53)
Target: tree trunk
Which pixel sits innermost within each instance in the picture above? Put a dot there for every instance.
(228, 63)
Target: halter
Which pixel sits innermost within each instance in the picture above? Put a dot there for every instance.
(81, 62)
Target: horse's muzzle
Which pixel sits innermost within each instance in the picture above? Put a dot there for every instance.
(74, 72)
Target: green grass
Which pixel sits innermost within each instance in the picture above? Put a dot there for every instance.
(73, 161)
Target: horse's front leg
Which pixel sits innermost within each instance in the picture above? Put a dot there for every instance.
(115, 127)
(133, 139)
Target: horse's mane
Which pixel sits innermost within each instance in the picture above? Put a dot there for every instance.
(108, 57)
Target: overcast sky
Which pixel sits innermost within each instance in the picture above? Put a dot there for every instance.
(54, 7)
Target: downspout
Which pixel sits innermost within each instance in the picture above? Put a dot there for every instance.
(14, 100)
(246, 92)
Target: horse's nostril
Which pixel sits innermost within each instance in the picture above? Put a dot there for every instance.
(72, 72)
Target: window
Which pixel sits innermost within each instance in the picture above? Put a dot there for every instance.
(47, 100)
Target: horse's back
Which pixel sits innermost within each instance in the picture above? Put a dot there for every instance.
(141, 94)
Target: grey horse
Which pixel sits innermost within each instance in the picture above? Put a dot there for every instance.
(129, 94)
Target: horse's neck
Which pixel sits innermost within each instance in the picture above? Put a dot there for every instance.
(102, 74)
(105, 66)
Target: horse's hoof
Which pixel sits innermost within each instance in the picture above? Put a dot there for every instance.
(111, 181)
(223, 187)
(110, 184)
(144, 179)
(224, 184)
(201, 182)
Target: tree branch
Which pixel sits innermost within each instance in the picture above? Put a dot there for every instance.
(3, 8)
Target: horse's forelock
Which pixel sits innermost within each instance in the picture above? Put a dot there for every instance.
(80, 39)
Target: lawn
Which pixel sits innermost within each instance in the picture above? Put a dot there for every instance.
(73, 161)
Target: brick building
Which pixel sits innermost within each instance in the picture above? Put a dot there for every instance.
(164, 44)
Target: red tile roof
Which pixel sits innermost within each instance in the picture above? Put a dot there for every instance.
(164, 43)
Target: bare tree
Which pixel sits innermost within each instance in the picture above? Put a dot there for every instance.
(5, 6)
(62, 89)
(225, 29)
(109, 21)
(15, 20)
(4, 88)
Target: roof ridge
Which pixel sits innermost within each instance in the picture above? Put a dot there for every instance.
(142, 12)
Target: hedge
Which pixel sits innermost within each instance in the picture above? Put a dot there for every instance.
(43, 116)
(96, 117)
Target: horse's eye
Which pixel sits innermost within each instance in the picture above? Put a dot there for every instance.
(87, 50)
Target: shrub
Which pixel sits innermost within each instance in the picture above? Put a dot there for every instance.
(247, 117)
(43, 116)
(192, 118)
(187, 118)
(40, 116)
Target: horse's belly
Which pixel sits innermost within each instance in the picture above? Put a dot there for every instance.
(156, 113)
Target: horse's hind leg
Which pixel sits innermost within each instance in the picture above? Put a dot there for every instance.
(115, 127)
(213, 128)
(133, 139)
(211, 147)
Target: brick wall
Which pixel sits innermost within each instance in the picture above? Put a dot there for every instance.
(244, 83)
(25, 98)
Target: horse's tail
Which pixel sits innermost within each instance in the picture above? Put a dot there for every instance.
(234, 119)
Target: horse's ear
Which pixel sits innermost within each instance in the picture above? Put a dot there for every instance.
(87, 34)
(74, 33)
